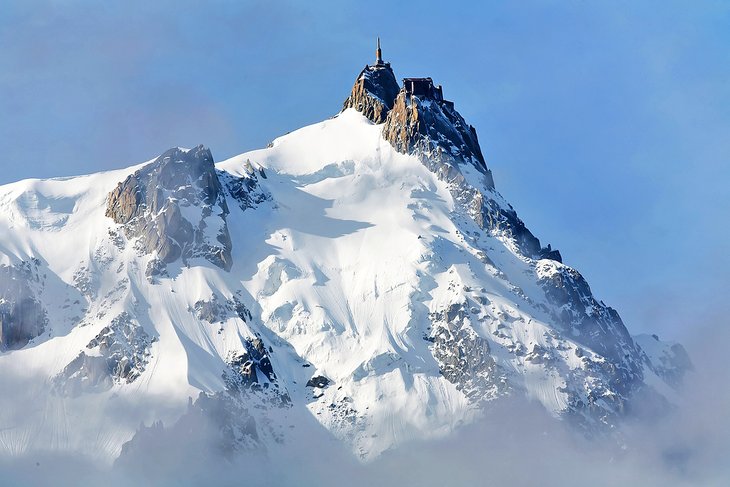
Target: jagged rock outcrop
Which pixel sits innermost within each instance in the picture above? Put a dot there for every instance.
(176, 208)
(22, 316)
(318, 381)
(246, 191)
(422, 122)
(254, 358)
(117, 355)
(419, 121)
(617, 377)
(582, 317)
(218, 309)
(493, 214)
(464, 357)
(252, 371)
(374, 92)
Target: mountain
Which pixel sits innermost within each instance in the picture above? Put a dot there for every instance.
(361, 279)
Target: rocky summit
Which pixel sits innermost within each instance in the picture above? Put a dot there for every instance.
(360, 280)
(374, 91)
(150, 204)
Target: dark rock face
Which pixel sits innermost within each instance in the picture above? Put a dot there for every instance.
(497, 217)
(121, 352)
(218, 309)
(252, 371)
(22, 317)
(209, 311)
(374, 92)
(549, 253)
(590, 323)
(155, 269)
(246, 191)
(429, 125)
(176, 207)
(464, 357)
(319, 381)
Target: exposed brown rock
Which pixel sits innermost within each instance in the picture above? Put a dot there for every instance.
(149, 204)
(374, 92)
(422, 123)
(428, 124)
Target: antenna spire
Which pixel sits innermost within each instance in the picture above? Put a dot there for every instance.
(378, 54)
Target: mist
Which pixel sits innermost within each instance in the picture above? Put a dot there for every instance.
(516, 443)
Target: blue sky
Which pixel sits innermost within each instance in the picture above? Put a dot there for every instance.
(606, 124)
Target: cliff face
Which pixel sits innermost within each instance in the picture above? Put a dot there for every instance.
(374, 92)
(426, 124)
(153, 204)
(118, 354)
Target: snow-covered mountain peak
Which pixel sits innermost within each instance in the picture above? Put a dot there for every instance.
(417, 117)
(360, 277)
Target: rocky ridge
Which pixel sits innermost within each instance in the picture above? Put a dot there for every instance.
(118, 354)
(421, 122)
(374, 92)
(418, 120)
(175, 208)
